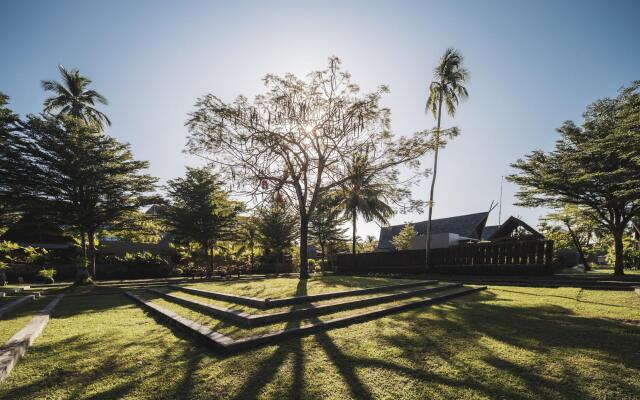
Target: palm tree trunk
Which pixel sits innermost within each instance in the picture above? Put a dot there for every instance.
(433, 184)
(353, 239)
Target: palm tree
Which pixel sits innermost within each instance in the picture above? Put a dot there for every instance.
(364, 195)
(447, 89)
(72, 97)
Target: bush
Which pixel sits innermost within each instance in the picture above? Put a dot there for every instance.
(3, 276)
(47, 274)
(135, 266)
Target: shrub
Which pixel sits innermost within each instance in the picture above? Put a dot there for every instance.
(3, 275)
(135, 266)
(47, 274)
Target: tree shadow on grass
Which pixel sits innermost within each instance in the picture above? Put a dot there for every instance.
(549, 335)
(268, 368)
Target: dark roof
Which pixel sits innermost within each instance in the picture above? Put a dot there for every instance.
(504, 231)
(470, 226)
(489, 231)
(38, 232)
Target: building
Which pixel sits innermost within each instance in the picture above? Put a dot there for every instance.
(452, 231)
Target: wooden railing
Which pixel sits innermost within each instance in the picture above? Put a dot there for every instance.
(530, 254)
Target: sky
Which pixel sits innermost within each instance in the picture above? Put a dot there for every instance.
(533, 65)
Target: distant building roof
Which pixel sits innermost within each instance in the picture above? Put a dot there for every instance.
(489, 231)
(506, 230)
(37, 232)
(470, 226)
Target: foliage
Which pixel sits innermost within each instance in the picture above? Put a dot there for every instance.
(581, 231)
(295, 140)
(138, 265)
(402, 241)
(73, 174)
(277, 227)
(595, 166)
(367, 194)
(369, 244)
(8, 123)
(447, 89)
(631, 254)
(246, 237)
(73, 98)
(199, 210)
(47, 274)
(326, 227)
(135, 226)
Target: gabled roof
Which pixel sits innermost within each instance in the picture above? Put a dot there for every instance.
(504, 231)
(470, 225)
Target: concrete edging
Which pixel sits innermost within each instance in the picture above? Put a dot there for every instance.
(225, 344)
(17, 346)
(250, 320)
(16, 304)
(287, 301)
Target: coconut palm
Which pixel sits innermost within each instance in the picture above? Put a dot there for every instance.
(447, 89)
(71, 97)
(364, 195)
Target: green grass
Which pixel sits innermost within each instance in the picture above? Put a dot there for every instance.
(16, 319)
(609, 270)
(285, 287)
(506, 342)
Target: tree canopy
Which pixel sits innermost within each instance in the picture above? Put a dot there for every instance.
(72, 97)
(402, 241)
(295, 140)
(595, 166)
(199, 210)
(71, 172)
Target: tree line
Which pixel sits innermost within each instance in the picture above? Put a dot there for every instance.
(307, 156)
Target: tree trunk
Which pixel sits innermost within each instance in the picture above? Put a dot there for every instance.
(210, 266)
(304, 233)
(618, 268)
(322, 260)
(92, 253)
(83, 241)
(433, 184)
(576, 243)
(353, 239)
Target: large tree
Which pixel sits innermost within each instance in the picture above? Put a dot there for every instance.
(446, 90)
(72, 97)
(71, 172)
(199, 210)
(295, 140)
(595, 166)
(8, 121)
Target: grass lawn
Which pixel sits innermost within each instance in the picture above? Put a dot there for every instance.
(609, 270)
(285, 287)
(506, 342)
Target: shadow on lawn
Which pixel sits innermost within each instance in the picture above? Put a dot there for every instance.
(442, 350)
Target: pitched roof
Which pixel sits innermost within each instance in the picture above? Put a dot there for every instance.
(504, 231)
(489, 231)
(470, 225)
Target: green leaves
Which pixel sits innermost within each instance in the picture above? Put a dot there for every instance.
(595, 166)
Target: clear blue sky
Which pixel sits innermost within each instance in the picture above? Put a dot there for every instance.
(533, 65)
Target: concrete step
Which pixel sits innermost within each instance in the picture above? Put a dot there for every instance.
(248, 320)
(225, 344)
(287, 301)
